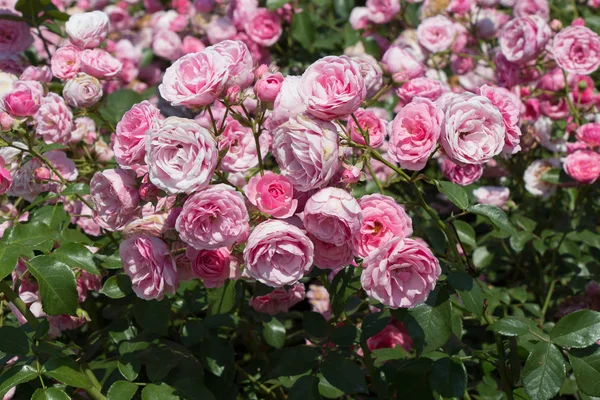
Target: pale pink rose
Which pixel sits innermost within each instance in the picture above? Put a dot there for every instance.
(191, 44)
(5, 178)
(400, 273)
(196, 79)
(23, 100)
(169, 20)
(154, 224)
(576, 49)
(41, 74)
(330, 256)
(278, 253)
(126, 50)
(287, 103)
(371, 73)
(371, 124)
(115, 198)
(279, 300)
(510, 107)
(436, 34)
(239, 142)
(7, 82)
(473, 131)
(87, 222)
(533, 177)
(414, 133)
(240, 11)
(263, 27)
(82, 91)
(307, 153)
(66, 62)
(87, 30)
(100, 64)
(129, 142)
(424, 87)
(522, 39)
(351, 174)
(15, 36)
(332, 87)
(212, 266)
(215, 217)
(393, 335)
(239, 61)
(219, 29)
(84, 129)
(268, 86)
(524, 8)
(148, 262)
(461, 175)
(332, 215)
(273, 194)
(383, 220)
(359, 18)
(167, 44)
(53, 121)
(589, 133)
(583, 166)
(492, 195)
(382, 11)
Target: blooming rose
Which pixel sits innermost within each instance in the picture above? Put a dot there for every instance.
(212, 266)
(41, 74)
(576, 49)
(268, 86)
(82, 91)
(392, 335)
(220, 29)
(239, 142)
(279, 300)
(15, 36)
(87, 30)
(371, 124)
(533, 177)
(129, 143)
(371, 73)
(278, 253)
(589, 133)
(436, 33)
(273, 194)
(330, 256)
(167, 44)
(287, 103)
(181, 155)
(115, 197)
(414, 133)
(461, 174)
(510, 107)
(424, 87)
(332, 87)
(215, 217)
(191, 44)
(239, 60)
(86, 282)
(359, 18)
(54, 120)
(100, 64)
(583, 166)
(66, 62)
(492, 195)
(84, 129)
(400, 273)
(263, 27)
(383, 220)
(524, 8)
(306, 150)
(401, 64)
(23, 100)
(382, 11)
(148, 262)
(473, 131)
(332, 215)
(5, 178)
(522, 39)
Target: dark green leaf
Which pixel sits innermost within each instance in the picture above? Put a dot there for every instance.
(482, 257)
(430, 324)
(118, 103)
(274, 333)
(8, 259)
(578, 329)
(510, 326)
(50, 393)
(116, 286)
(66, 371)
(344, 374)
(305, 388)
(552, 176)
(121, 390)
(496, 216)
(153, 316)
(303, 30)
(315, 324)
(294, 361)
(448, 377)
(455, 193)
(519, 239)
(222, 300)
(159, 392)
(15, 376)
(527, 224)
(327, 390)
(371, 46)
(466, 233)
(275, 4)
(469, 291)
(14, 341)
(54, 216)
(31, 236)
(76, 255)
(193, 332)
(129, 367)
(341, 289)
(58, 287)
(217, 355)
(544, 371)
(586, 367)
(343, 8)
(373, 324)
(345, 335)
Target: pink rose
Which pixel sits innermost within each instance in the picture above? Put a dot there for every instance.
(436, 34)
(383, 11)
(332, 215)
(239, 60)
(82, 91)
(148, 262)
(576, 49)
(278, 254)
(273, 194)
(332, 87)
(41, 74)
(400, 273)
(100, 64)
(492, 195)
(589, 133)
(524, 8)
(461, 175)
(401, 64)
(15, 36)
(287, 103)
(154, 224)
(192, 45)
(23, 100)
(359, 18)
(87, 30)
(212, 266)
(522, 39)
(414, 133)
(215, 217)
(129, 143)
(371, 73)
(583, 166)
(54, 120)
(533, 177)
(279, 300)
(119, 19)
(241, 147)
(115, 198)
(473, 131)
(263, 27)
(393, 335)
(383, 220)
(424, 87)
(84, 129)
(5, 178)
(167, 44)
(302, 136)
(330, 256)
(220, 29)
(510, 107)
(66, 62)
(268, 86)
(371, 124)
(86, 282)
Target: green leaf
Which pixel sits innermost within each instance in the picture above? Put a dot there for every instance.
(482, 257)
(50, 393)
(510, 326)
(121, 390)
(54, 216)
(303, 30)
(294, 361)
(129, 368)
(222, 300)
(430, 324)
(373, 324)
(315, 324)
(586, 367)
(76, 188)
(8, 259)
(14, 341)
(274, 333)
(15, 376)
(455, 193)
(371, 46)
(466, 233)
(496, 216)
(343, 8)
(344, 374)
(193, 332)
(118, 103)
(31, 236)
(448, 377)
(116, 286)
(345, 335)
(578, 329)
(519, 239)
(544, 371)
(552, 176)
(341, 289)
(527, 224)
(305, 388)
(275, 4)
(469, 291)
(76, 255)
(58, 287)
(159, 392)
(327, 390)
(217, 355)
(66, 371)
(153, 316)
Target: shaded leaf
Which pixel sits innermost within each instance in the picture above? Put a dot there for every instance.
(121, 390)
(578, 329)
(58, 288)
(448, 377)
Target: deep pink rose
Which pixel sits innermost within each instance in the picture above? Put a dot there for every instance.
(5, 178)
(330, 256)
(213, 218)
(333, 216)
(492, 195)
(268, 86)
(86, 282)
(15, 36)
(279, 300)
(583, 166)
(23, 100)
(115, 198)
(393, 335)
(461, 175)
(589, 133)
(401, 64)
(239, 142)
(263, 27)
(332, 87)
(148, 262)
(382, 11)
(436, 34)
(424, 87)
(414, 133)
(54, 120)
(523, 8)
(510, 107)
(371, 124)
(273, 194)
(278, 253)
(87, 30)
(576, 49)
(212, 266)
(522, 39)
(400, 273)
(82, 91)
